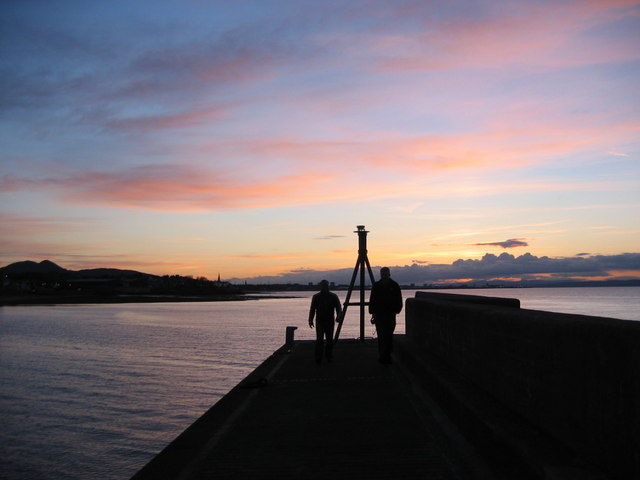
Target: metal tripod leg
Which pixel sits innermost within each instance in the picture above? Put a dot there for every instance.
(361, 263)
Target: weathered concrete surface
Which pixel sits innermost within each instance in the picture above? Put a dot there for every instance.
(574, 379)
(353, 418)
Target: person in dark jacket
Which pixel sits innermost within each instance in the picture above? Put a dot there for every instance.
(323, 305)
(384, 304)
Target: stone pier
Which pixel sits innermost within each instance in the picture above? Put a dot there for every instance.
(479, 389)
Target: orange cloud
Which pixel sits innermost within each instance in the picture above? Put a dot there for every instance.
(184, 188)
(534, 139)
(318, 172)
(505, 148)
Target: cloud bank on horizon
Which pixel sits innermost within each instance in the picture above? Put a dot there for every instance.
(203, 137)
(490, 268)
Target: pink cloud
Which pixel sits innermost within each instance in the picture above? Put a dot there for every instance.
(180, 188)
(275, 171)
(538, 34)
(207, 188)
(499, 148)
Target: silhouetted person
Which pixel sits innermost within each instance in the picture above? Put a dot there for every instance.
(384, 304)
(323, 305)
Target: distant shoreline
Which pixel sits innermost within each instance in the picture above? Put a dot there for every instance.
(257, 293)
(25, 300)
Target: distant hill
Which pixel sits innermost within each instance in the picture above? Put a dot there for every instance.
(33, 282)
(29, 267)
(109, 272)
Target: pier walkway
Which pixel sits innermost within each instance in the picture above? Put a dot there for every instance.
(479, 389)
(353, 418)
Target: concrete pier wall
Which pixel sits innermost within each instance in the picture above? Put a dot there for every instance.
(575, 377)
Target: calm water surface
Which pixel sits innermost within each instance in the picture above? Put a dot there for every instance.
(94, 391)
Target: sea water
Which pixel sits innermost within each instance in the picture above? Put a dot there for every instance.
(95, 391)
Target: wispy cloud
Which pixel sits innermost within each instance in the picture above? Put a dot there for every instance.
(187, 189)
(539, 35)
(511, 243)
(164, 121)
(20, 226)
(176, 188)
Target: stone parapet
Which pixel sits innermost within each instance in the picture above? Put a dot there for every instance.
(574, 377)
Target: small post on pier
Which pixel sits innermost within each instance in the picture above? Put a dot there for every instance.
(289, 334)
(361, 263)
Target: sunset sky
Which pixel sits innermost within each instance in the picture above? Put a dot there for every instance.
(249, 138)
